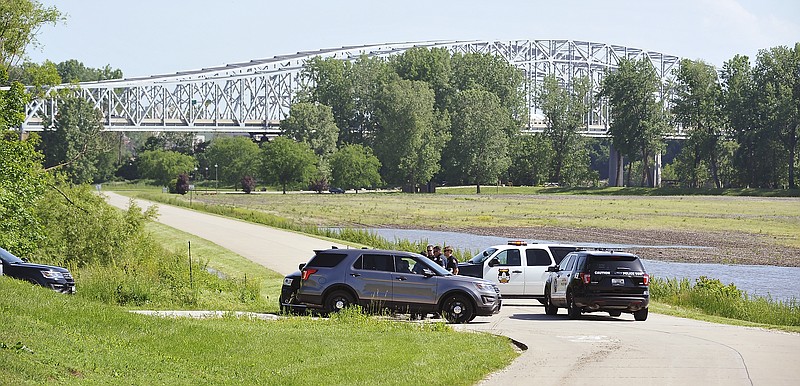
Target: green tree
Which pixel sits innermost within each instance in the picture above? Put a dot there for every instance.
(494, 74)
(355, 167)
(405, 142)
(638, 120)
(81, 229)
(432, 66)
(777, 80)
(351, 89)
(236, 158)
(739, 109)
(22, 183)
(331, 85)
(74, 71)
(287, 162)
(759, 157)
(313, 124)
(698, 107)
(32, 74)
(162, 166)
(73, 142)
(12, 105)
(530, 157)
(21, 22)
(480, 141)
(565, 109)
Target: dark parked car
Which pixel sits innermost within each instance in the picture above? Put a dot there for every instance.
(56, 278)
(379, 279)
(589, 281)
(336, 190)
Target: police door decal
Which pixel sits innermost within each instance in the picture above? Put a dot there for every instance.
(503, 276)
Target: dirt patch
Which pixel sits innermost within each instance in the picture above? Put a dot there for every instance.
(721, 247)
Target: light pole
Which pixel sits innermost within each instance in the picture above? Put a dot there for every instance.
(191, 187)
(216, 178)
(206, 176)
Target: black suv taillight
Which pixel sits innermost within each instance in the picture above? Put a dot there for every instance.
(308, 272)
(646, 279)
(586, 278)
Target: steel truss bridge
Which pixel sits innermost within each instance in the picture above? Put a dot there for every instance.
(252, 97)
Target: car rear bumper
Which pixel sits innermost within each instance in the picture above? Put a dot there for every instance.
(618, 303)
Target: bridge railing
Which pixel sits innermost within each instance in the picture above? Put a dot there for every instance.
(254, 96)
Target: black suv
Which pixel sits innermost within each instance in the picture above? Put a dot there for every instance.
(379, 279)
(589, 281)
(56, 278)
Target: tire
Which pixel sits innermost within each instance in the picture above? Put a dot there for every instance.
(457, 309)
(549, 308)
(614, 313)
(572, 310)
(641, 315)
(338, 300)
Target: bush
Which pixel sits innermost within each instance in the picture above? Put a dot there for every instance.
(248, 184)
(182, 184)
(116, 261)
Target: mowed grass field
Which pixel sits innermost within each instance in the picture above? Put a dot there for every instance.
(777, 219)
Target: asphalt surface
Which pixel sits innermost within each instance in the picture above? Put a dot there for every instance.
(596, 349)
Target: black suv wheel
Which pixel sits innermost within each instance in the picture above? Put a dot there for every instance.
(338, 300)
(641, 315)
(457, 309)
(572, 310)
(549, 308)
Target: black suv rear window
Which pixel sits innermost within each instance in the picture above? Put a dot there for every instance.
(560, 252)
(615, 263)
(326, 260)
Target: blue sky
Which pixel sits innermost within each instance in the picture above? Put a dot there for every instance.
(146, 37)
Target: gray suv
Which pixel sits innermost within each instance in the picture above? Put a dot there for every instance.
(379, 279)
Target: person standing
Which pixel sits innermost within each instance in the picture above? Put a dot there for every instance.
(438, 258)
(450, 261)
(429, 252)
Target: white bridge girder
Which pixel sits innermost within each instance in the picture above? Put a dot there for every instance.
(252, 97)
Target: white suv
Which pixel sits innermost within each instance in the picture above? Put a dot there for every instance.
(518, 268)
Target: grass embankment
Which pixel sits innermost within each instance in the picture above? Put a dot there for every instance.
(680, 298)
(52, 338)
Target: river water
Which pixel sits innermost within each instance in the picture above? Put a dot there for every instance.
(779, 283)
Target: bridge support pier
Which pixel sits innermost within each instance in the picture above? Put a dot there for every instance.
(615, 167)
(655, 171)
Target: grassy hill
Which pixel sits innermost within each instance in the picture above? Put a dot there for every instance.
(51, 338)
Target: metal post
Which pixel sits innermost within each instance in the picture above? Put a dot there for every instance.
(216, 178)
(191, 278)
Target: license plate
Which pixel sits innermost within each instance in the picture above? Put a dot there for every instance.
(618, 281)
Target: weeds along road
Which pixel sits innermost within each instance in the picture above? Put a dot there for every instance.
(596, 349)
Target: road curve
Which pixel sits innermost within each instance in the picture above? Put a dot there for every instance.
(596, 349)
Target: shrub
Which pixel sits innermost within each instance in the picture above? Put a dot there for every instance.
(182, 184)
(248, 184)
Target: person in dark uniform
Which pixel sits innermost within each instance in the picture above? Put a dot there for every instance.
(438, 258)
(450, 261)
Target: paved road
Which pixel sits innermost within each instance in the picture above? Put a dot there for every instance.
(278, 250)
(596, 349)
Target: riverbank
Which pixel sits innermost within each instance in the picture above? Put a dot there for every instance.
(718, 247)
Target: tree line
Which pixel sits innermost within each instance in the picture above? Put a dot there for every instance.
(430, 116)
